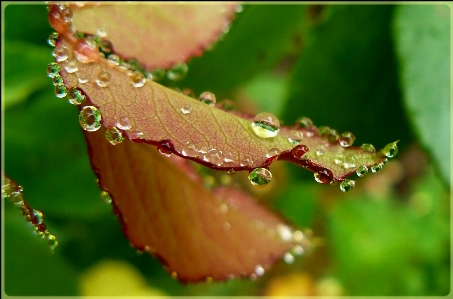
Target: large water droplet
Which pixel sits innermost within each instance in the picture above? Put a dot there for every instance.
(368, 147)
(347, 185)
(304, 122)
(61, 91)
(86, 50)
(164, 149)
(53, 69)
(347, 139)
(190, 150)
(390, 150)
(53, 39)
(105, 197)
(295, 137)
(361, 171)
(114, 136)
(138, 80)
(178, 72)
(90, 118)
(260, 177)
(103, 79)
(298, 151)
(75, 96)
(266, 125)
(61, 53)
(186, 109)
(324, 176)
(124, 123)
(208, 98)
(272, 152)
(71, 66)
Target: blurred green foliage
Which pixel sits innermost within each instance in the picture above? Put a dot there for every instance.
(381, 72)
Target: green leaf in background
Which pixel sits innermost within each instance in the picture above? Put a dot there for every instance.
(30, 267)
(422, 41)
(346, 77)
(258, 39)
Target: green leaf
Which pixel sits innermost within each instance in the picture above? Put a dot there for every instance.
(422, 38)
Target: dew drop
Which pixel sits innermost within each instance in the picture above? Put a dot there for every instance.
(61, 53)
(300, 150)
(339, 158)
(53, 69)
(347, 185)
(75, 96)
(390, 150)
(324, 176)
(83, 78)
(295, 137)
(58, 80)
(350, 161)
(71, 66)
(61, 91)
(164, 149)
(208, 98)
(361, 171)
(190, 150)
(246, 162)
(113, 59)
(16, 199)
(368, 147)
(86, 50)
(272, 152)
(259, 270)
(134, 135)
(53, 39)
(138, 80)
(376, 167)
(347, 139)
(260, 177)
(90, 118)
(214, 157)
(228, 157)
(227, 105)
(231, 171)
(288, 258)
(330, 134)
(101, 32)
(103, 79)
(304, 122)
(266, 125)
(124, 123)
(186, 109)
(178, 72)
(52, 240)
(114, 136)
(156, 75)
(105, 197)
(39, 216)
(320, 151)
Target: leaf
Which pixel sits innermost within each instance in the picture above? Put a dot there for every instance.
(196, 233)
(156, 35)
(422, 38)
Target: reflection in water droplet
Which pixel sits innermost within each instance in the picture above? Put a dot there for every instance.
(368, 147)
(90, 118)
(75, 96)
(304, 122)
(376, 167)
(53, 69)
(178, 72)
(288, 258)
(53, 39)
(52, 240)
(272, 152)
(347, 139)
(123, 123)
(105, 197)
(186, 109)
(138, 80)
(299, 151)
(60, 53)
(295, 137)
(190, 150)
(61, 91)
(103, 79)
(208, 98)
(266, 125)
(86, 50)
(260, 177)
(390, 150)
(347, 185)
(58, 80)
(361, 171)
(114, 136)
(71, 66)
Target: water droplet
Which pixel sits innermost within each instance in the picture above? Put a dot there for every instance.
(246, 162)
(266, 125)
(101, 32)
(208, 98)
(297, 250)
(214, 157)
(134, 135)
(178, 72)
(156, 75)
(330, 134)
(186, 109)
(347, 185)
(320, 150)
(227, 105)
(231, 171)
(390, 150)
(75, 96)
(350, 161)
(105, 46)
(304, 122)
(203, 150)
(347, 139)
(113, 59)
(86, 50)
(299, 151)
(61, 91)
(361, 171)
(259, 270)
(90, 118)
(53, 69)
(228, 157)
(190, 150)
(284, 232)
(16, 199)
(339, 158)
(295, 137)
(124, 123)
(103, 79)
(114, 136)
(53, 39)
(105, 197)
(324, 176)
(138, 80)
(376, 167)
(272, 152)
(260, 177)
(52, 240)
(60, 53)
(71, 66)
(83, 78)
(164, 149)
(368, 147)
(67, 14)
(58, 80)
(288, 258)
(39, 216)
